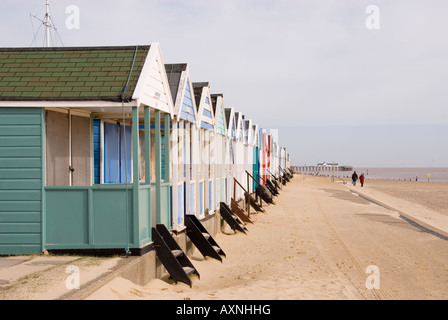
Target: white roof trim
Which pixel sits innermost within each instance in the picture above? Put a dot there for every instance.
(150, 98)
(229, 125)
(185, 79)
(205, 93)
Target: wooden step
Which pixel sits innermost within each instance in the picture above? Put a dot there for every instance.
(254, 203)
(201, 238)
(171, 255)
(237, 210)
(189, 270)
(206, 235)
(177, 253)
(228, 216)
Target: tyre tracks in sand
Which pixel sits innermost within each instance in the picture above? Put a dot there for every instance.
(353, 233)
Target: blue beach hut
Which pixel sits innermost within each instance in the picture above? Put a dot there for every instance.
(183, 134)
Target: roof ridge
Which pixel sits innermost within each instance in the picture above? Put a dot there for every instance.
(32, 74)
(10, 49)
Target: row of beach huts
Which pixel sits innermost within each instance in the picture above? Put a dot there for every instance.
(99, 145)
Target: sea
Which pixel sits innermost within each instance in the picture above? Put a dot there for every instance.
(415, 174)
(412, 174)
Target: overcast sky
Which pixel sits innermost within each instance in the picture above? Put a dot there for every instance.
(335, 89)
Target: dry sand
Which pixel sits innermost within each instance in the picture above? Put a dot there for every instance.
(44, 277)
(317, 242)
(426, 201)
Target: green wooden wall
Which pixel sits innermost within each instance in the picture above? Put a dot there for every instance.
(92, 217)
(21, 180)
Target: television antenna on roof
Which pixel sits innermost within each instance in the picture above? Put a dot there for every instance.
(48, 23)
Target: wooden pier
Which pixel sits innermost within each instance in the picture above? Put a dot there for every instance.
(326, 167)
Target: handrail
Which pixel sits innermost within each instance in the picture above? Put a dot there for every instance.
(276, 179)
(261, 178)
(258, 183)
(272, 175)
(245, 191)
(252, 177)
(287, 173)
(234, 179)
(283, 170)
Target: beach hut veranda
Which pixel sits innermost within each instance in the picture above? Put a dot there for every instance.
(256, 155)
(84, 162)
(184, 147)
(264, 155)
(230, 151)
(248, 153)
(220, 148)
(240, 155)
(204, 163)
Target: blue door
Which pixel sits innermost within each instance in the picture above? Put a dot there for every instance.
(201, 198)
(125, 154)
(117, 153)
(210, 196)
(96, 150)
(180, 203)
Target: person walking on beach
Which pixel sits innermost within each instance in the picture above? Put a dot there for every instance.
(361, 179)
(354, 178)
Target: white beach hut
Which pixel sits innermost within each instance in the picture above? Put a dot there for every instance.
(220, 149)
(230, 152)
(206, 154)
(183, 133)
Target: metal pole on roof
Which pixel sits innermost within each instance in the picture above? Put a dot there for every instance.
(47, 25)
(70, 157)
(47, 22)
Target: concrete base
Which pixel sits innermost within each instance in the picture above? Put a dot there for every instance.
(148, 267)
(142, 269)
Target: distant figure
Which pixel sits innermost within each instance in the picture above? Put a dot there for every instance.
(361, 179)
(354, 178)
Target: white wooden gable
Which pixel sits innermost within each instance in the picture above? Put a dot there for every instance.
(185, 103)
(205, 109)
(248, 132)
(152, 88)
(219, 113)
(239, 133)
(231, 127)
(255, 136)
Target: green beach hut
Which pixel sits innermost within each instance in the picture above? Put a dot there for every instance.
(80, 134)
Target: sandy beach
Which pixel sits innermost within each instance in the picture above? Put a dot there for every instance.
(317, 242)
(432, 195)
(426, 201)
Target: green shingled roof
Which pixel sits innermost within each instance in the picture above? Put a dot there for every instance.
(91, 73)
